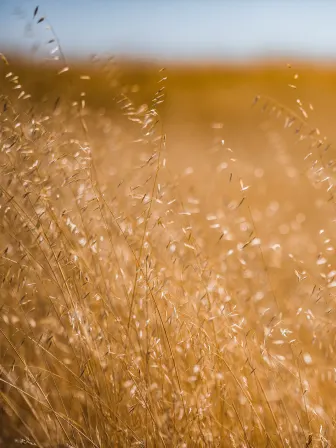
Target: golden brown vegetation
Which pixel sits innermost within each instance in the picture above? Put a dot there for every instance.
(160, 286)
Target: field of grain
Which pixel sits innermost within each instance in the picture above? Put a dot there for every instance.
(167, 246)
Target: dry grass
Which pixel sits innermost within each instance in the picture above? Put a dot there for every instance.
(148, 296)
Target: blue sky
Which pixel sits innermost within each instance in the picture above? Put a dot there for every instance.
(175, 29)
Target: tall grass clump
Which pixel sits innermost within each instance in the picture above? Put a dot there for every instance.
(134, 312)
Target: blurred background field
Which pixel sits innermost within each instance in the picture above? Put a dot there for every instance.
(246, 106)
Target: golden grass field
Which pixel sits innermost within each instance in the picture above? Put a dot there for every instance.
(167, 256)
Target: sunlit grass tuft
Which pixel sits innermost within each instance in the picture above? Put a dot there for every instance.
(136, 313)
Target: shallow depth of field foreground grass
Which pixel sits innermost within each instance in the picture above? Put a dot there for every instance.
(167, 272)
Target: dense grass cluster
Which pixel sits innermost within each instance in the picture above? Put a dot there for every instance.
(134, 312)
